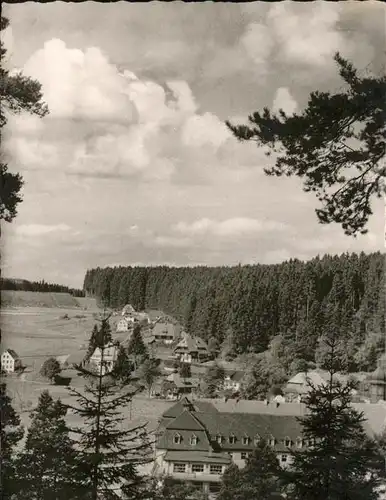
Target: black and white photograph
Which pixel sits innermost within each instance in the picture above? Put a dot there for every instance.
(193, 224)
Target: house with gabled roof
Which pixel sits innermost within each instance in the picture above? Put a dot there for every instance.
(10, 361)
(190, 349)
(166, 332)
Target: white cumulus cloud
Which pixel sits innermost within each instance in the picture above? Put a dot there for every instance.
(235, 226)
(40, 229)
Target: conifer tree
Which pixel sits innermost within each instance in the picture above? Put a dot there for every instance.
(137, 347)
(47, 467)
(259, 479)
(340, 462)
(11, 432)
(110, 449)
(123, 366)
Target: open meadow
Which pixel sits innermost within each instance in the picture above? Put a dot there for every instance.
(37, 326)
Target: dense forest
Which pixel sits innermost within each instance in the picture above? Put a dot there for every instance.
(249, 308)
(38, 286)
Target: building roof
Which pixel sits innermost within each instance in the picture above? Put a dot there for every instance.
(191, 344)
(236, 376)
(167, 328)
(196, 406)
(128, 308)
(303, 378)
(198, 456)
(182, 382)
(12, 353)
(252, 425)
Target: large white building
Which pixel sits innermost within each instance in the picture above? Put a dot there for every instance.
(10, 361)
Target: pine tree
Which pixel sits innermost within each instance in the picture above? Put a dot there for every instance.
(110, 452)
(123, 366)
(48, 468)
(340, 461)
(149, 373)
(259, 478)
(136, 347)
(11, 432)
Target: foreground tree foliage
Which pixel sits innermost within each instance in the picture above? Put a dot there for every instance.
(11, 432)
(48, 467)
(283, 308)
(110, 448)
(259, 479)
(336, 145)
(18, 94)
(339, 461)
(50, 369)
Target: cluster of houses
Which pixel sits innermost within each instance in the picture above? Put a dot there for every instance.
(196, 440)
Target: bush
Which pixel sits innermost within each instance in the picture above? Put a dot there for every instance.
(50, 369)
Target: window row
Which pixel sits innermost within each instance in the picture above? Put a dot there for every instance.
(272, 441)
(246, 440)
(180, 468)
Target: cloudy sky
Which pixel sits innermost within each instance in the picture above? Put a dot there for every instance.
(134, 164)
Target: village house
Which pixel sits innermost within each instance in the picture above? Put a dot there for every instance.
(167, 332)
(10, 361)
(125, 324)
(232, 380)
(174, 387)
(110, 354)
(197, 440)
(191, 349)
(300, 384)
(128, 310)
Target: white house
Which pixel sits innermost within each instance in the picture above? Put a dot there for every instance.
(232, 380)
(128, 310)
(110, 354)
(10, 361)
(125, 324)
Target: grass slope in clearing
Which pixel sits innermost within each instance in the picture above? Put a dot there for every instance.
(13, 298)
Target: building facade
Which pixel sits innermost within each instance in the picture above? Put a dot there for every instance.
(191, 349)
(109, 353)
(10, 361)
(196, 443)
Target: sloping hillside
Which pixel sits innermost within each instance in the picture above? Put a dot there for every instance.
(15, 298)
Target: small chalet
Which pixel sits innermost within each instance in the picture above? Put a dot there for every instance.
(190, 349)
(125, 324)
(110, 354)
(174, 386)
(128, 310)
(232, 380)
(10, 361)
(167, 332)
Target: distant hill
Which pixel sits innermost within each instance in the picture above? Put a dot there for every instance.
(38, 286)
(18, 298)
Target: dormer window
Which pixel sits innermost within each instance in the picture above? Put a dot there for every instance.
(271, 441)
(287, 442)
(246, 440)
(219, 438)
(193, 440)
(232, 439)
(177, 439)
(299, 442)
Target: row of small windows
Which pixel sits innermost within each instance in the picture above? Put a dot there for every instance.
(213, 468)
(246, 440)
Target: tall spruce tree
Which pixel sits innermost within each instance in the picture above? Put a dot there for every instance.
(11, 433)
(136, 348)
(259, 478)
(339, 462)
(110, 449)
(48, 467)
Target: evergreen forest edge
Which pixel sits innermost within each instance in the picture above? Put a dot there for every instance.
(253, 308)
